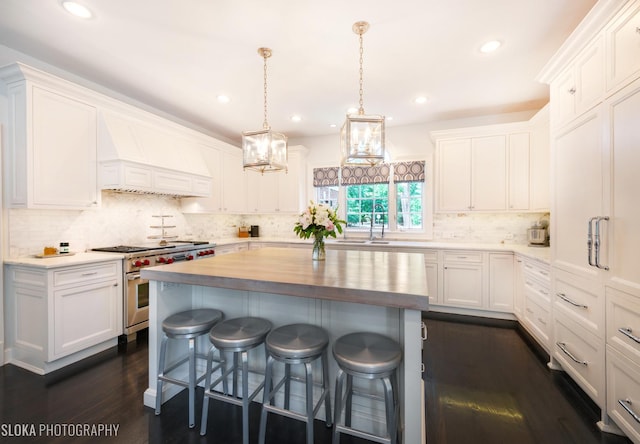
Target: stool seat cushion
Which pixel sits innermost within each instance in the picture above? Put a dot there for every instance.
(191, 322)
(297, 341)
(367, 353)
(239, 333)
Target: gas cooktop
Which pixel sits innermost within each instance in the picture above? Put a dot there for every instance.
(131, 249)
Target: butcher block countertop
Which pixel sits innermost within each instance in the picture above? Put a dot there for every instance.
(380, 278)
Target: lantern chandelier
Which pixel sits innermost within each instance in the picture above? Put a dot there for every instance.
(264, 151)
(362, 136)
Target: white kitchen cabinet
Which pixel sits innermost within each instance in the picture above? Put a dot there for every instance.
(61, 315)
(463, 279)
(501, 282)
(621, 234)
(472, 174)
(278, 192)
(580, 87)
(495, 168)
(228, 182)
(578, 157)
(518, 291)
(623, 48)
(519, 170)
(536, 289)
(51, 146)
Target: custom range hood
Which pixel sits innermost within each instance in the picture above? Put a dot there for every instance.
(143, 154)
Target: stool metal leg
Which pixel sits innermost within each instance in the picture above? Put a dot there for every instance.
(207, 387)
(235, 374)
(268, 386)
(192, 382)
(389, 396)
(338, 397)
(245, 398)
(309, 382)
(325, 388)
(347, 412)
(163, 351)
(287, 385)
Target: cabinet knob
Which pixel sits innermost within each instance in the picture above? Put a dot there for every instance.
(638, 29)
(572, 90)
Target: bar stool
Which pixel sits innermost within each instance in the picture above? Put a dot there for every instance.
(185, 325)
(369, 356)
(238, 336)
(296, 344)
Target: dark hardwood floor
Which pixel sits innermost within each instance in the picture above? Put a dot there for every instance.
(484, 384)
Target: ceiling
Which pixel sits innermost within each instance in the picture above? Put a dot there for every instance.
(177, 56)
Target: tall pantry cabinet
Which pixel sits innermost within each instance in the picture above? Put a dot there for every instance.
(595, 144)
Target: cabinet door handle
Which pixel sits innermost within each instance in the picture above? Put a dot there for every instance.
(575, 304)
(423, 328)
(626, 404)
(628, 333)
(563, 347)
(590, 240)
(597, 242)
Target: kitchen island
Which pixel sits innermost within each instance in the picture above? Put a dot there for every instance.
(382, 292)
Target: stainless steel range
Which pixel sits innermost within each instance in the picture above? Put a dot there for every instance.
(136, 292)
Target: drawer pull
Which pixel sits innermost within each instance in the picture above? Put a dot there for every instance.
(563, 347)
(544, 273)
(542, 321)
(89, 274)
(529, 310)
(626, 404)
(575, 304)
(546, 293)
(529, 283)
(422, 367)
(627, 332)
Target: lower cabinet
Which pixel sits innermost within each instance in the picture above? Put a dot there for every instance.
(463, 279)
(501, 282)
(533, 290)
(231, 248)
(57, 316)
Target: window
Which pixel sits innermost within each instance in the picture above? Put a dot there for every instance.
(367, 205)
(409, 205)
(382, 198)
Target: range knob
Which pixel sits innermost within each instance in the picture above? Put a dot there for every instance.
(146, 262)
(161, 260)
(201, 253)
(189, 257)
(170, 260)
(138, 263)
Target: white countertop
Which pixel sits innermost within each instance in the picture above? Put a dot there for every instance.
(541, 254)
(63, 260)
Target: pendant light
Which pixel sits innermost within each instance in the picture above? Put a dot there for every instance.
(362, 136)
(264, 151)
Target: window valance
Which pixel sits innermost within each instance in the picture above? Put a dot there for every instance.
(360, 175)
(324, 177)
(408, 171)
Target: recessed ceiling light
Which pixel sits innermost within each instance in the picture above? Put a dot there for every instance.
(296, 118)
(332, 125)
(420, 100)
(222, 98)
(77, 9)
(490, 46)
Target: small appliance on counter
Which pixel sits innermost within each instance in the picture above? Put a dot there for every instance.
(538, 235)
(255, 231)
(243, 231)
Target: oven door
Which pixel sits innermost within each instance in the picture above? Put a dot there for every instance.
(136, 303)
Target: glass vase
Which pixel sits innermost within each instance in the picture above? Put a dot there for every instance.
(318, 253)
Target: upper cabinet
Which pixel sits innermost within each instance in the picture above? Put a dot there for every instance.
(492, 168)
(278, 192)
(623, 48)
(580, 87)
(51, 151)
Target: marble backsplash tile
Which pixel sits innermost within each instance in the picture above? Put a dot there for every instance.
(127, 219)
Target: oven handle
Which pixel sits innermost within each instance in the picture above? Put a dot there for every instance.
(133, 277)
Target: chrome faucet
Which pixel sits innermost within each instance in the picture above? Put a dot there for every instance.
(373, 210)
